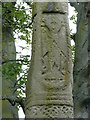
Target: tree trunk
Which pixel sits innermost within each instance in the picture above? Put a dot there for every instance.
(81, 68)
(88, 60)
(49, 85)
(9, 109)
(0, 61)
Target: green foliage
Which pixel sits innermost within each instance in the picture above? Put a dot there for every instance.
(7, 14)
(18, 18)
(23, 22)
(11, 69)
(22, 76)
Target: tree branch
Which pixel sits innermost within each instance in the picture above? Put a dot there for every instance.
(73, 36)
(13, 101)
(13, 61)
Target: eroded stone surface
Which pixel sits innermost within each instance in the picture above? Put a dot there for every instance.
(49, 79)
(50, 111)
(50, 7)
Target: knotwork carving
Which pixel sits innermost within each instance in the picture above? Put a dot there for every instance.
(50, 111)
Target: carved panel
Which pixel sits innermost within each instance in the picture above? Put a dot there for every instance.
(50, 111)
(54, 49)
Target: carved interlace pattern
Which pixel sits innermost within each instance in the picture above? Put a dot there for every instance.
(51, 111)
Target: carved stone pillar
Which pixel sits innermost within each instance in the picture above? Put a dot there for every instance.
(49, 85)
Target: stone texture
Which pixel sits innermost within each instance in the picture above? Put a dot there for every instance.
(50, 76)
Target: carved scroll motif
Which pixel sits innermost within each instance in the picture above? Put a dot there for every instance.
(49, 94)
(53, 48)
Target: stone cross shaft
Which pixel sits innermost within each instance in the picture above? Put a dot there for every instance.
(49, 85)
